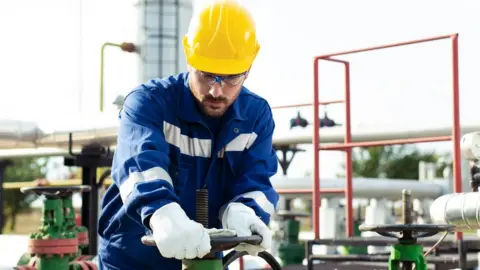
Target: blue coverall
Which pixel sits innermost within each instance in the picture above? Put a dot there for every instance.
(166, 150)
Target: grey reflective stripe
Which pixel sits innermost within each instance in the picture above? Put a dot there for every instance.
(189, 146)
(155, 173)
(240, 143)
(203, 147)
(260, 198)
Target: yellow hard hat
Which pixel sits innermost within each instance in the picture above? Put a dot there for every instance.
(221, 38)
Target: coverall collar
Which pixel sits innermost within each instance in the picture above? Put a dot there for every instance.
(187, 101)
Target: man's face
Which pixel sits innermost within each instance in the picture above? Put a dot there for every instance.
(213, 97)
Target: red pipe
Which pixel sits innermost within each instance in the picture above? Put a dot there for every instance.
(398, 44)
(348, 137)
(316, 154)
(348, 157)
(456, 134)
(348, 144)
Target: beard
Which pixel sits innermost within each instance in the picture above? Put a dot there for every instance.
(210, 105)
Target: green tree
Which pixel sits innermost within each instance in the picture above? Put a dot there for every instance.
(23, 169)
(397, 161)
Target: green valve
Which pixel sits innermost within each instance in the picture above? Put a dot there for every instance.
(411, 253)
(51, 244)
(55, 245)
(346, 250)
(407, 252)
(70, 225)
(290, 250)
(212, 264)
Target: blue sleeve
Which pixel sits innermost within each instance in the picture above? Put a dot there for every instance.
(141, 159)
(258, 164)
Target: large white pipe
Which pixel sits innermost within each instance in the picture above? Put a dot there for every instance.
(102, 128)
(14, 134)
(459, 209)
(363, 187)
(364, 134)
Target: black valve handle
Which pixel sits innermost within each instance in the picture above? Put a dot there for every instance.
(55, 191)
(218, 243)
(399, 230)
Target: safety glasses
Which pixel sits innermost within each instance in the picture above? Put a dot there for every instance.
(229, 80)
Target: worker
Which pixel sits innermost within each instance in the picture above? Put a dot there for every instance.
(201, 129)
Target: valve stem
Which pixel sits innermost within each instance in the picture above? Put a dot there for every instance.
(201, 206)
(407, 207)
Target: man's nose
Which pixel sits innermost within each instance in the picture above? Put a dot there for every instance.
(216, 90)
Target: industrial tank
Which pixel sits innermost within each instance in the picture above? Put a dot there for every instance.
(161, 27)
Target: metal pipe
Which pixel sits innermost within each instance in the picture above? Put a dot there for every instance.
(459, 209)
(126, 47)
(455, 132)
(103, 127)
(364, 134)
(348, 146)
(289, 187)
(398, 44)
(292, 187)
(456, 135)
(102, 60)
(316, 148)
(348, 156)
(316, 155)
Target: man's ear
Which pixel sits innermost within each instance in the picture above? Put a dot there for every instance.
(189, 68)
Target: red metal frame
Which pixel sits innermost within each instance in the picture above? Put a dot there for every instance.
(348, 145)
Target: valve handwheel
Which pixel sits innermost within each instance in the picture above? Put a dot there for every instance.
(55, 191)
(407, 251)
(218, 243)
(406, 231)
(222, 243)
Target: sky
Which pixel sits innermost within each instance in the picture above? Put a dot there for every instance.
(50, 58)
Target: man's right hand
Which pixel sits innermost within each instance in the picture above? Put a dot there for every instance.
(177, 236)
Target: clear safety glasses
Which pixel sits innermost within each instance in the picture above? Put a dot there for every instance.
(230, 80)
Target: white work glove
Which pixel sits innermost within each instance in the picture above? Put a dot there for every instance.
(176, 235)
(244, 221)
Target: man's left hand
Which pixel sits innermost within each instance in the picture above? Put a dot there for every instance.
(244, 221)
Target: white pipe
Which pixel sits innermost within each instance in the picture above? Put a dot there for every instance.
(102, 128)
(364, 134)
(459, 209)
(15, 134)
(364, 187)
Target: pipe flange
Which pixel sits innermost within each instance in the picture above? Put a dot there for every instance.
(47, 247)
